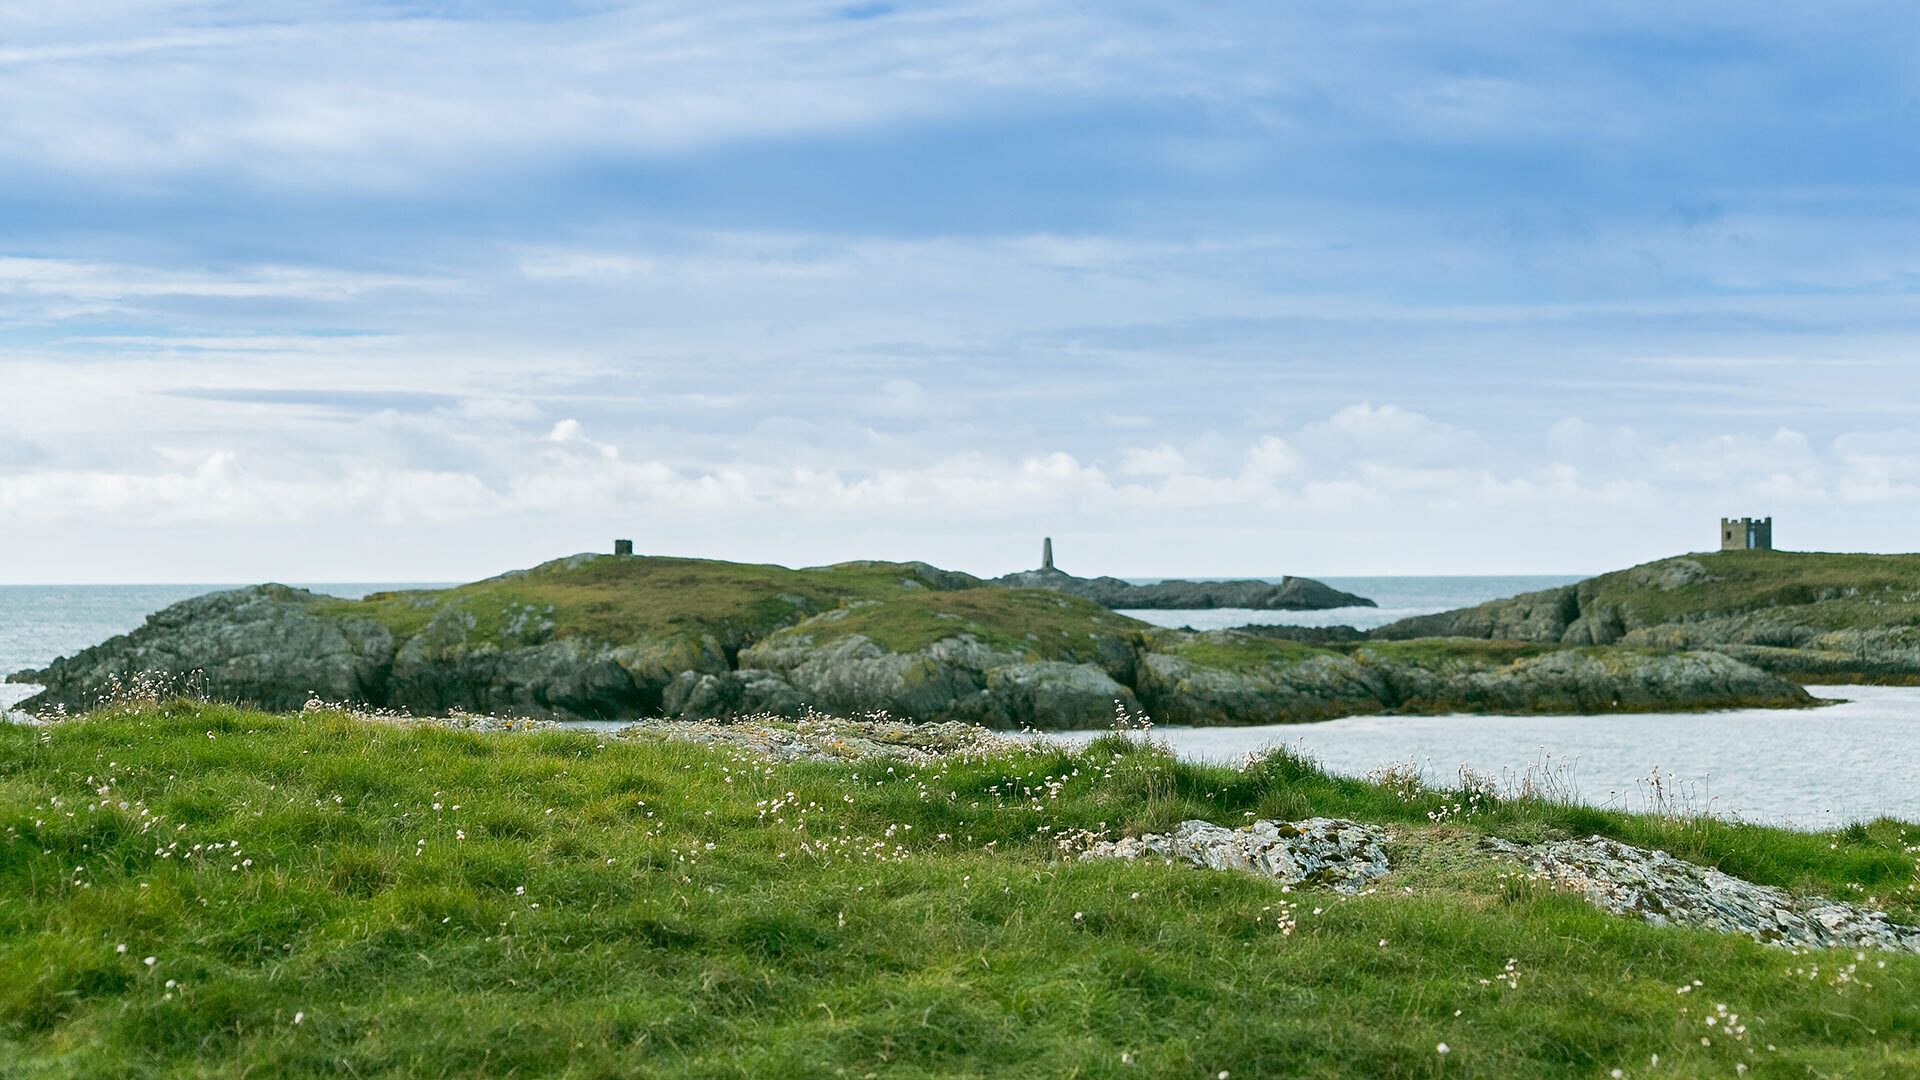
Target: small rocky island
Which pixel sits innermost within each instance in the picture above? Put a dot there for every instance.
(1290, 594)
(625, 637)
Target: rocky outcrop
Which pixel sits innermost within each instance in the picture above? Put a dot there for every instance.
(956, 679)
(1663, 890)
(1312, 635)
(1178, 690)
(1328, 852)
(1291, 594)
(819, 737)
(1796, 623)
(265, 645)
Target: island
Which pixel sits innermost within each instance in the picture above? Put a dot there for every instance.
(1289, 594)
(624, 637)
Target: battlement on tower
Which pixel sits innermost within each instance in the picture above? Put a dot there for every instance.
(1746, 534)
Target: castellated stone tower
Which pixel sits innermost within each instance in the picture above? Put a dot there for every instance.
(1746, 534)
(1046, 553)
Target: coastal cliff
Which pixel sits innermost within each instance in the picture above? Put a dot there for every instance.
(609, 637)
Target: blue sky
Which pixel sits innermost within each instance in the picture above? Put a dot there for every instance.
(430, 290)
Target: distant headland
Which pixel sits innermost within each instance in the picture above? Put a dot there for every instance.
(1291, 594)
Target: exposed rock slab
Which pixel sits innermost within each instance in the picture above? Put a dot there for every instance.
(265, 644)
(818, 737)
(1332, 852)
(1663, 890)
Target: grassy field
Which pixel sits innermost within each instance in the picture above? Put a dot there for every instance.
(194, 890)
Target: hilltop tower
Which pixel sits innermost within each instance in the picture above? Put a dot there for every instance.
(623, 547)
(1746, 534)
(1046, 553)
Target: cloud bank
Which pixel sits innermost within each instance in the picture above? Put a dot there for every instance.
(399, 290)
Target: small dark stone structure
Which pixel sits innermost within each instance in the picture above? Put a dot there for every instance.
(1046, 553)
(1746, 534)
(623, 547)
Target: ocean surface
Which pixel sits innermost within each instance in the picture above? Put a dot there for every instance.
(1809, 769)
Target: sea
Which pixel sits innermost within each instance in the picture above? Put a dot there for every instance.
(1853, 760)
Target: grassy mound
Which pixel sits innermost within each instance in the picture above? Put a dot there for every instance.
(1824, 590)
(612, 598)
(195, 890)
(1035, 623)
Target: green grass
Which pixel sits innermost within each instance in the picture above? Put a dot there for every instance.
(1825, 590)
(624, 599)
(678, 920)
(1035, 623)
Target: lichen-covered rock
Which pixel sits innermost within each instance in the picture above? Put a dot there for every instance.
(266, 645)
(1663, 890)
(1338, 854)
(957, 678)
(747, 692)
(819, 737)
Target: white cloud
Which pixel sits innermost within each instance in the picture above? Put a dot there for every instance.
(1162, 460)
(1389, 433)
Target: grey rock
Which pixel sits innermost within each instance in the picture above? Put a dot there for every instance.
(1291, 594)
(820, 737)
(1311, 635)
(264, 645)
(957, 678)
(731, 693)
(1663, 890)
(1342, 855)
(1177, 691)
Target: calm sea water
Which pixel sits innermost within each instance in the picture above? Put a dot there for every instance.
(1809, 769)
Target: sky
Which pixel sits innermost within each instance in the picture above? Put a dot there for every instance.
(349, 290)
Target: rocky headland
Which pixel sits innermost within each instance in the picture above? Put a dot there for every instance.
(626, 638)
(1291, 594)
(1804, 615)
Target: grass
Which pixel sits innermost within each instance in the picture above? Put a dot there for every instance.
(627, 598)
(325, 896)
(1034, 623)
(1825, 590)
